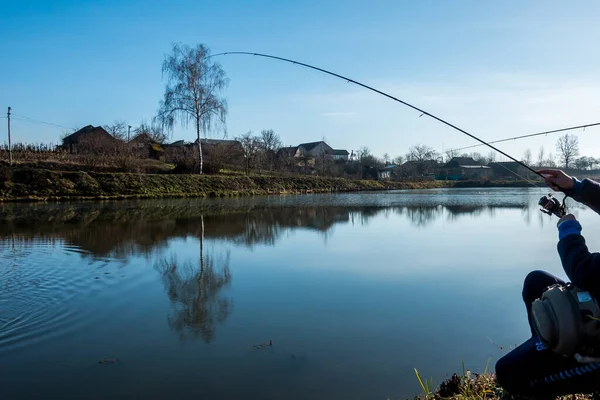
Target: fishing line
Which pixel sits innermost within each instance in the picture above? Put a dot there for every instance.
(532, 135)
(423, 112)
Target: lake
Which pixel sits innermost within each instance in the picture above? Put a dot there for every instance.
(180, 298)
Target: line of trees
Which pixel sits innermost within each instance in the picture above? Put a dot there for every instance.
(567, 148)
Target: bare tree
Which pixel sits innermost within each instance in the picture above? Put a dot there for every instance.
(363, 152)
(153, 130)
(540, 160)
(549, 162)
(527, 157)
(491, 157)
(568, 147)
(399, 160)
(477, 157)
(118, 129)
(250, 145)
(421, 152)
(386, 158)
(192, 92)
(270, 144)
(450, 154)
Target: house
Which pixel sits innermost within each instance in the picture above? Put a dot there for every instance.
(416, 169)
(476, 172)
(312, 151)
(145, 146)
(386, 172)
(89, 139)
(340, 155)
(460, 168)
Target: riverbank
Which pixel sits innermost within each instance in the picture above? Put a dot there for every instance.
(474, 386)
(23, 184)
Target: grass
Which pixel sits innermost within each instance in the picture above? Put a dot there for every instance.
(474, 386)
(42, 184)
(27, 183)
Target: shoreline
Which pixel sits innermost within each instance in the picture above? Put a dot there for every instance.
(39, 185)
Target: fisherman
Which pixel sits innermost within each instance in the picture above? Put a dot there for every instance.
(532, 369)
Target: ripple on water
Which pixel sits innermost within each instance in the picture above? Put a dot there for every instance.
(40, 288)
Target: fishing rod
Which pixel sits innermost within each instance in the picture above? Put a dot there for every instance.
(532, 135)
(423, 112)
(550, 204)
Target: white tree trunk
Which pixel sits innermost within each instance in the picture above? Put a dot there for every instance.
(199, 144)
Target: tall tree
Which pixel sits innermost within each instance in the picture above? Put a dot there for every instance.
(192, 94)
(270, 143)
(549, 162)
(421, 152)
(250, 146)
(399, 160)
(568, 147)
(540, 160)
(527, 157)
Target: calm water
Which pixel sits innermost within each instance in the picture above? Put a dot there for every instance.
(354, 290)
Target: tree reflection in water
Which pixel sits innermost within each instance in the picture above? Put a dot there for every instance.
(195, 293)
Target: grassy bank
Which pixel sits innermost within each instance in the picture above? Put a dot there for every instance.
(475, 386)
(18, 184)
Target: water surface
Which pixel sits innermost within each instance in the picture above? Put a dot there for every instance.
(175, 297)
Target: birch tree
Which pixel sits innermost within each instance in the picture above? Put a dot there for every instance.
(193, 91)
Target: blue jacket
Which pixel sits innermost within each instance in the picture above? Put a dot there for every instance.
(581, 266)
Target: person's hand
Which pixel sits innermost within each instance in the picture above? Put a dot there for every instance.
(557, 180)
(566, 217)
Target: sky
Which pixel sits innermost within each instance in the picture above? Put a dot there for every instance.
(494, 69)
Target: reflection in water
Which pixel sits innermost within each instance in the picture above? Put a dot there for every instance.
(195, 293)
(104, 232)
(82, 282)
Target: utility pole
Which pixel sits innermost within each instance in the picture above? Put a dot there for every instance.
(9, 146)
(128, 131)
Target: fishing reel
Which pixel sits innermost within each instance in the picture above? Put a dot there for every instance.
(552, 206)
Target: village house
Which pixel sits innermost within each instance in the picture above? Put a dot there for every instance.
(89, 139)
(386, 172)
(463, 168)
(145, 146)
(416, 169)
(314, 150)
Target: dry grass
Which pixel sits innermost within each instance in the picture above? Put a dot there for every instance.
(474, 386)
(48, 156)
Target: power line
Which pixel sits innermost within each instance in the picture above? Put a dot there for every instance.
(531, 135)
(33, 120)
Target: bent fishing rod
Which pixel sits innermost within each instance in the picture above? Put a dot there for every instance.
(423, 112)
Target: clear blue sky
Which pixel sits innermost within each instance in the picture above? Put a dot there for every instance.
(496, 69)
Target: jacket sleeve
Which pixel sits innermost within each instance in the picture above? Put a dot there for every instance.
(581, 266)
(587, 192)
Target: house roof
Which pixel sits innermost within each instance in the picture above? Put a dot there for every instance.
(340, 152)
(177, 143)
(87, 130)
(142, 138)
(461, 161)
(216, 141)
(475, 167)
(288, 151)
(311, 145)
